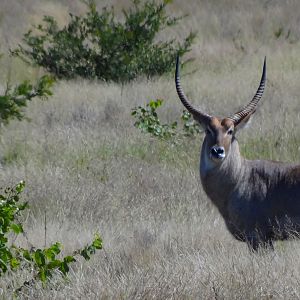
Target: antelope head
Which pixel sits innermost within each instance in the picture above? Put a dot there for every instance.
(219, 133)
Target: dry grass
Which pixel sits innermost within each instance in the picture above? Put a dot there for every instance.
(89, 169)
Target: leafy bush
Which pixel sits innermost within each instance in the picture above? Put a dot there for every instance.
(96, 45)
(147, 120)
(14, 99)
(43, 262)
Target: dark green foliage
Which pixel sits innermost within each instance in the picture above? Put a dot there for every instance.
(147, 120)
(96, 45)
(14, 99)
(43, 262)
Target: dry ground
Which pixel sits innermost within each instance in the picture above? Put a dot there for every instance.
(88, 169)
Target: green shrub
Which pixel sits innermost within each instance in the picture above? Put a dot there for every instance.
(96, 45)
(43, 262)
(148, 122)
(14, 99)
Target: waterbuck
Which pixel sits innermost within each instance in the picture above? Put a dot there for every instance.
(258, 199)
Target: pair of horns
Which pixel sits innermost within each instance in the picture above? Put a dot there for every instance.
(238, 116)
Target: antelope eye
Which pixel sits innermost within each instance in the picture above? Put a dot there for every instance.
(230, 131)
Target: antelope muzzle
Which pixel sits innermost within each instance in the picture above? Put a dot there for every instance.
(217, 153)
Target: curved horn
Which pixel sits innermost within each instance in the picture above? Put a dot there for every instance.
(197, 114)
(251, 106)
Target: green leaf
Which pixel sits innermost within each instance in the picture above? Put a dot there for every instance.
(69, 259)
(64, 268)
(85, 254)
(39, 257)
(17, 228)
(56, 248)
(97, 242)
(27, 255)
(42, 275)
(20, 186)
(14, 263)
(54, 264)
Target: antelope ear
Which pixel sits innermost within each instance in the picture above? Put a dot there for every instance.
(244, 122)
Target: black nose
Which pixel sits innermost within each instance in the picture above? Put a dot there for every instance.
(218, 152)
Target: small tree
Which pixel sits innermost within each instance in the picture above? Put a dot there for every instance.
(96, 45)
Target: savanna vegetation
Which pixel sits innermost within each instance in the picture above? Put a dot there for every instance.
(90, 167)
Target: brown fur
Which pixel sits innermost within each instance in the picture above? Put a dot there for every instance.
(259, 200)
